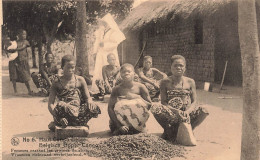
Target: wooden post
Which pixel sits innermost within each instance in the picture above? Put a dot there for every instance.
(248, 38)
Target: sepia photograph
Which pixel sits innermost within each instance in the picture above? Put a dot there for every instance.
(130, 79)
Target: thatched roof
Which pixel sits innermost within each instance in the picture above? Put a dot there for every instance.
(153, 10)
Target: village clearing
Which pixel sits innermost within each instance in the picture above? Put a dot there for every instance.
(219, 137)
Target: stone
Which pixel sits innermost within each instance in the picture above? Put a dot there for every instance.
(71, 131)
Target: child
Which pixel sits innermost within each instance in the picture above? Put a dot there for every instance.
(75, 106)
(131, 95)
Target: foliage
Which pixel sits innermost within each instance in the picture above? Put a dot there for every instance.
(35, 16)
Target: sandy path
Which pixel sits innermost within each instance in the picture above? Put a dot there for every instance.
(218, 137)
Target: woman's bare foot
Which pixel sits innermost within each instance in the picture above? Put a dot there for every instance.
(64, 122)
(51, 126)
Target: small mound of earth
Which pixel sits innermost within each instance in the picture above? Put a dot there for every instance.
(134, 147)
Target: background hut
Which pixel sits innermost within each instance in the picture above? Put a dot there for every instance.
(205, 32)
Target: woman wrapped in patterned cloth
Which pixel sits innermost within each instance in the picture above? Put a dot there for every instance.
(129, 104)
(147, 75)
(110, 74)
(48, 74)
(178, 101)
(75, 106)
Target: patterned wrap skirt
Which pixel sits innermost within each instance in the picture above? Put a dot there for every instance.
(76, 115)
(131, 113)
(170, 122)
(153, 92)
(41, 82)
(19, 71)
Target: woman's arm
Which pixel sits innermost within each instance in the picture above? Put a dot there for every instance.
(117, 75)
(111, 106)
(86, 94)
(193, 96)
(52, 97)
(140, 73)
(25, 45)
(145, 95)
(45, 75)
(104, 74)
(159, 72)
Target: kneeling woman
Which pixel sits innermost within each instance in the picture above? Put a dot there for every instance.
(128, 105)
(178, 101)
(48, 74)
(75, 106)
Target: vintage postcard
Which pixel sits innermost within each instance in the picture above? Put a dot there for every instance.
(121, 79)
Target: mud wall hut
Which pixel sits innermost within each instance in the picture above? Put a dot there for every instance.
(205, 32)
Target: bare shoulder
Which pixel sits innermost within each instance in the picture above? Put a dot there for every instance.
(80, 79)
(189, 80)
(138, 84)
(56, 84)
(166, 80)
(155, 69)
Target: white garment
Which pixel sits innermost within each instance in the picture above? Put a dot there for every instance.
(12, 56)
(110, 39)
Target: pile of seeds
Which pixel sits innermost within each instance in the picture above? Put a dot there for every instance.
(134, 146)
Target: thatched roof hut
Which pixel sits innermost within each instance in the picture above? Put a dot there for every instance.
(205, 32)
(154, 10)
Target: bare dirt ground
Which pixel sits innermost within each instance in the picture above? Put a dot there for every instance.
(218, 137)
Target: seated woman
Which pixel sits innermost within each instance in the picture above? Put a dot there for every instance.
(110, 74)
(178, 101)
(75, 106)
(48, 74)
(128, 105)
(147, 74)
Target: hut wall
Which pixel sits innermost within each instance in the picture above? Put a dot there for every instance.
(227, 46)
(129, 49)
(163, 41)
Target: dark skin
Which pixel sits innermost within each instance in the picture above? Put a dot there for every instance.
(49, 61)
(22, 39)
(177, 80)
(110, 69)
(68, 81)
(147, 67)
(128, 89)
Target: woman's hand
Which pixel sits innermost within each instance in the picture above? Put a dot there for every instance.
(92, 107)
(11, 50)
(124, 129)
(156, 86)
(182, 115)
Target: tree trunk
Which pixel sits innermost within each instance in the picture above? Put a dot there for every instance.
(34, 57)
(40, 54)
(81, 40)
(248, 36)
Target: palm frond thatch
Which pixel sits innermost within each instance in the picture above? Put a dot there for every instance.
(153, 10)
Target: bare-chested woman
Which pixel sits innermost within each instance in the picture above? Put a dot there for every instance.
(131, 96)
(110, 75)
(75, 106)
(178, 101)
(147, 75)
